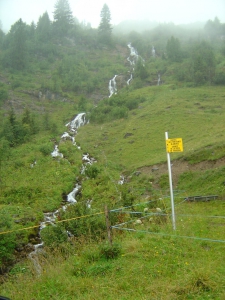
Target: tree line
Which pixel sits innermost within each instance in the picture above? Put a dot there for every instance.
(25, 41)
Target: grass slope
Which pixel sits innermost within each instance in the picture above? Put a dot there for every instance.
(155, 262)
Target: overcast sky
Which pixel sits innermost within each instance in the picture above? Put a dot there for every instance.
(176, 11)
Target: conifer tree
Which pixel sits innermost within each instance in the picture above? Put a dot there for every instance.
(105, 29)
(18, 48)
(63, 18)
(43, 30)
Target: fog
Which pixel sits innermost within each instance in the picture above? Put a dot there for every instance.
(176, 11)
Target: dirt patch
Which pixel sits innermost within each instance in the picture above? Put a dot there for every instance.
(180, 166)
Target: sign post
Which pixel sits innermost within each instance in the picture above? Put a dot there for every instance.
(172, 145)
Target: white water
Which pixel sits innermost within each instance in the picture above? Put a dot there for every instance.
(72, 127)
(129, 80)
(153, 51)
(112, 86)
(56, 152)
(133, 58)
(159, 80)
(50, 218)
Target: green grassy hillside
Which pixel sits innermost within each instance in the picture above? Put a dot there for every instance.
(195, 114)
(42, 91)
(151, 261)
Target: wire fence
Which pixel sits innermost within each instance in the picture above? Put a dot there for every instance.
(158, 222)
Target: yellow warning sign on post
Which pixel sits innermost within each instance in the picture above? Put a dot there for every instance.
(174, 145)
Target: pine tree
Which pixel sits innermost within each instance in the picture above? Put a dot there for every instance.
(18, 51)
(63, 18)
(2, 36)
(43, 30)
(13, 130)
(105, 29)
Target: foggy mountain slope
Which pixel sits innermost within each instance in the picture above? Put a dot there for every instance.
(54, 80)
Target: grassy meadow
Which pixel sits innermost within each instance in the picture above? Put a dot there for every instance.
(148, 260)
(153, 263)
(194, 114)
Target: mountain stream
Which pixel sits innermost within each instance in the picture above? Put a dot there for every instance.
(51, 217)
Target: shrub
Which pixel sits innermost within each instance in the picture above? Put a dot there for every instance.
(110, 251)
(90, 226)
(3, 95)
(8, 240)
(54, 235)
(46, 149)
(15, 84)
(92, 171)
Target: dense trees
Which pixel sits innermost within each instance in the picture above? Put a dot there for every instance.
(105, 28)
(203, 62)
(214, 29)
(180, 52)
(18, 130)
(173, 49)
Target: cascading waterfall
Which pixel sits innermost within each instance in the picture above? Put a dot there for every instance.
(133, 58)
(51, 217)
(112, 86)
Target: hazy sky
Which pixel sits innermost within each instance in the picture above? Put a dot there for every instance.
(176, 11)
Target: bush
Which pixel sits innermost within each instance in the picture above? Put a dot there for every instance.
(92, 171)
(15, 84)
(219, 77)
(8, 240)
(3, 95)
(110, 251)
(91, 226)
(46, 149)
(53, 235)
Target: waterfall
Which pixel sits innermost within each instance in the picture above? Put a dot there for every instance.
(50, 218)
(72, 126)
(56, 152)
(112, 86)
(153, 51)
(159, 80)
(129, 80)
(77, 122)
(133, 58)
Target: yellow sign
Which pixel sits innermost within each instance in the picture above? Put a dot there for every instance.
(174, 145)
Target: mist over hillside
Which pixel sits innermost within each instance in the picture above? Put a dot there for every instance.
(127, 26)
(83, 113)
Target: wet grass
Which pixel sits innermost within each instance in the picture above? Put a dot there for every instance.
(150, 266)
(156, 262)
(140, 139)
